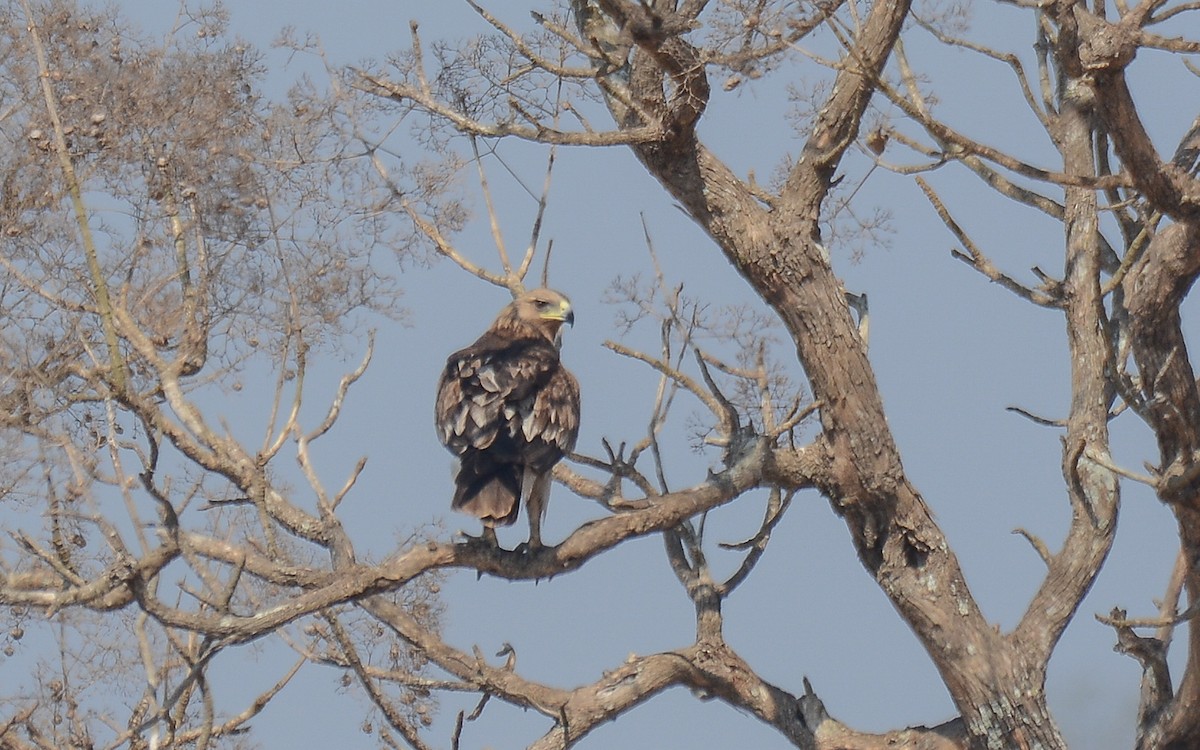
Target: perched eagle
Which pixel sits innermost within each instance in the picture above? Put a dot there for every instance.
(509, 410)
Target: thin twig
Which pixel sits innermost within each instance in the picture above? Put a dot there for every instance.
(777, 505)
(493, 219)
(709, 399)
(975, 258)
(1038, 545)
(1107, 463)
(1036, 418)
(1169, 608)
(1121, 621)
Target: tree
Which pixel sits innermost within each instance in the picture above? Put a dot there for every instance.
(170, 236)
(225, 261)
(653, 63)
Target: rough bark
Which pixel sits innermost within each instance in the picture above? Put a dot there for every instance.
(994, 683)
(1154, 290)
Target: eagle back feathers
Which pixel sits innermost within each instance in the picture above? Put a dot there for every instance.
(510, 395)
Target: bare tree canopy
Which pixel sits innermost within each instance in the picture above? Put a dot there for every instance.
(194, 269)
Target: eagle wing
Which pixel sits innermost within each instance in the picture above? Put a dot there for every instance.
(489, 387)
(551, 426)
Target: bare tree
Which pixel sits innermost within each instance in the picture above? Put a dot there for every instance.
(169, 236)
(653, 65)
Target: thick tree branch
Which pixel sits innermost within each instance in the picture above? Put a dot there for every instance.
(1091, 486)
(1168, 187)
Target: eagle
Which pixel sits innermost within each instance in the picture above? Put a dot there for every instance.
(509, 410)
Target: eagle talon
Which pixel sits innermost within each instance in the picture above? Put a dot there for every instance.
(486, 538)
(529, 548)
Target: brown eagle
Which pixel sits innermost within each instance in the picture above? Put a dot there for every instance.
(509, 410)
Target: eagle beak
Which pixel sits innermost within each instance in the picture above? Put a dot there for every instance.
(562, 313)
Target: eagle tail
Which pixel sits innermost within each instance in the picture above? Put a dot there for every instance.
(488, 491)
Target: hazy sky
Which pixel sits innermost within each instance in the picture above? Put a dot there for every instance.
(951, 352)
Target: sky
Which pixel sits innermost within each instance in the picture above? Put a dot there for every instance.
(951, 352)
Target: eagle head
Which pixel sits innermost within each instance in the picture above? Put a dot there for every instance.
(544, 309)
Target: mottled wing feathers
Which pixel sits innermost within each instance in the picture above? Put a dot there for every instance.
(554, 418)
(505, 404)
(486, 385)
